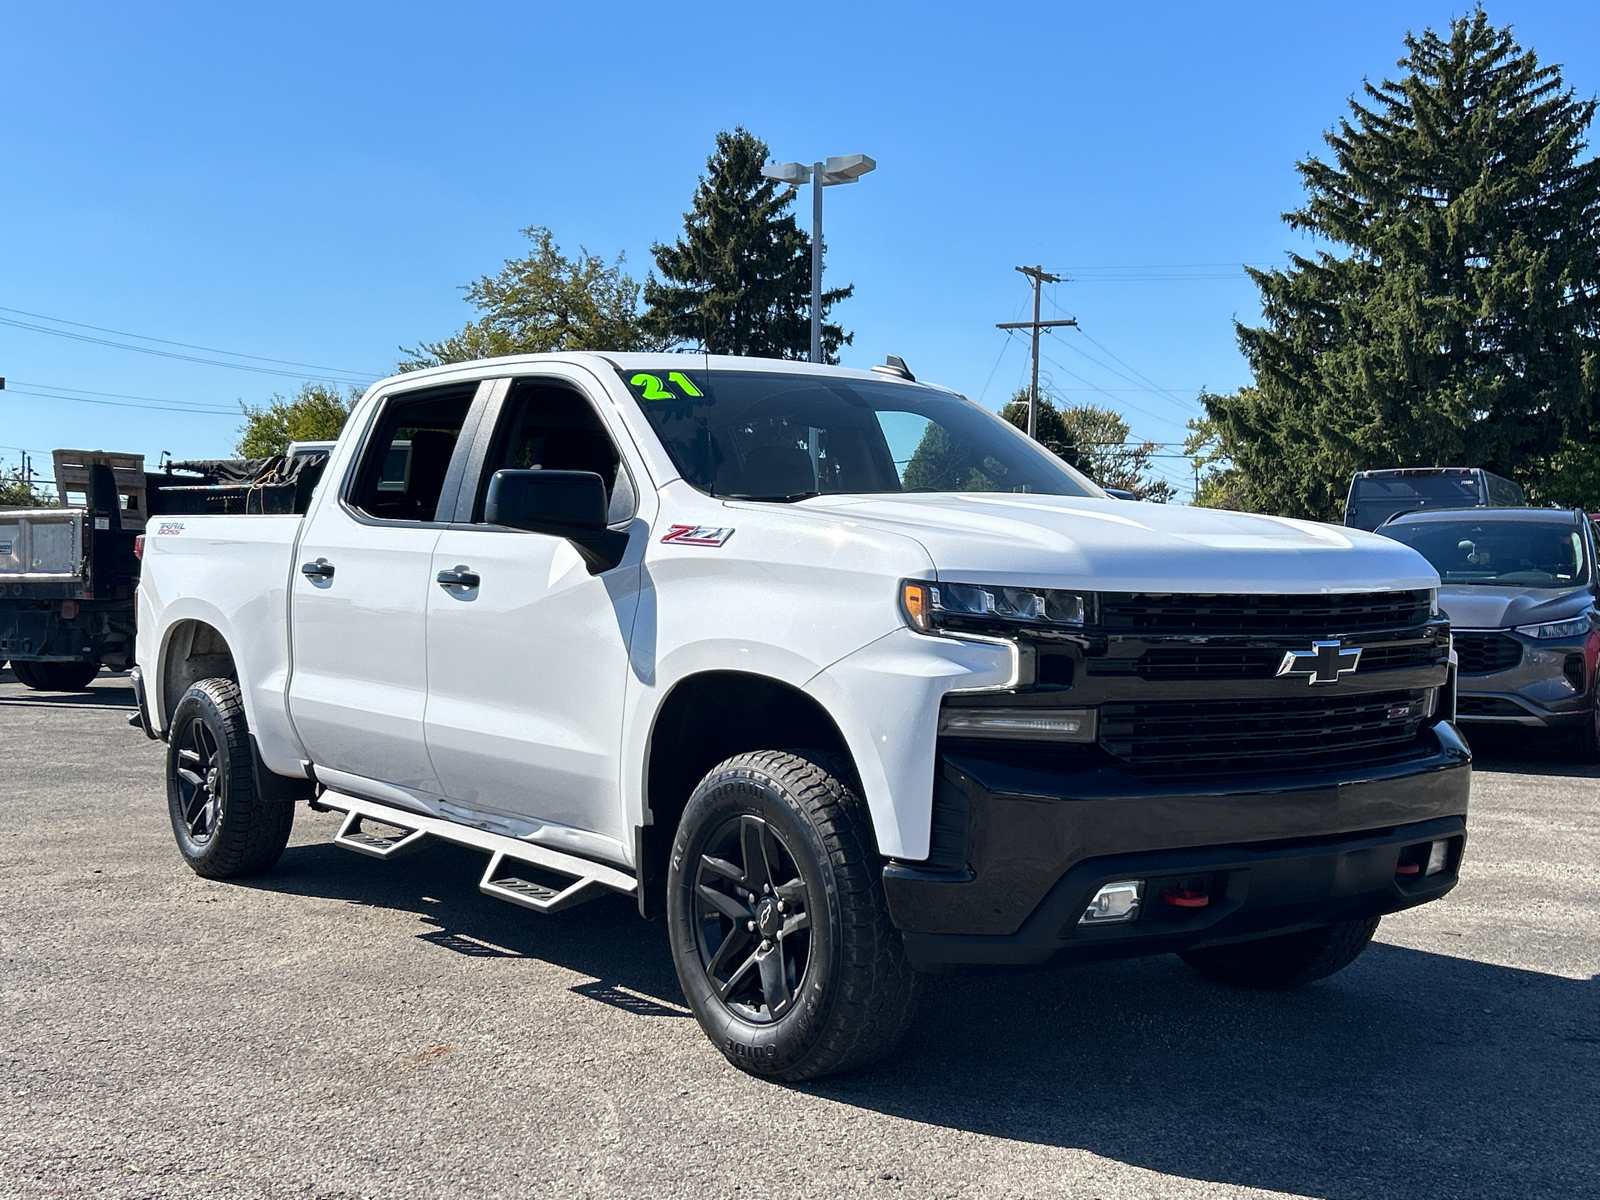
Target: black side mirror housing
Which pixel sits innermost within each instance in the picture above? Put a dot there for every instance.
(565, 504)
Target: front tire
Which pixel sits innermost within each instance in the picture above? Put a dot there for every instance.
(1288, 960)
(779, 926)
(224, 829)
(56, 676)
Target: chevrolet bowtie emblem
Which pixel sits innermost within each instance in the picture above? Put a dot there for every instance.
(1324, 662)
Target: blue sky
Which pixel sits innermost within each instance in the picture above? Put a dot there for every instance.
(315, 182)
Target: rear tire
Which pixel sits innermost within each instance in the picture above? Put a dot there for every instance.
(1288, 960)
(56, 676)
(223, 827)
(779, 841)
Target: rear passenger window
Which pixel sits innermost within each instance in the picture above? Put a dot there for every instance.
(405, 462)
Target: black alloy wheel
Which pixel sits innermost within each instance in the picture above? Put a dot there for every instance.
(223, 826)
(776, 914)
(753, 919)
(201, 784)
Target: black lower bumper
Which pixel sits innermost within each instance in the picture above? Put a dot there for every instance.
(1022, 844)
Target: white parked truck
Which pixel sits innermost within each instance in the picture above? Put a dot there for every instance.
(835, 670)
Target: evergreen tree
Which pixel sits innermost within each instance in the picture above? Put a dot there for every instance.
(542, 303)
(1461, 325)
(739, 280)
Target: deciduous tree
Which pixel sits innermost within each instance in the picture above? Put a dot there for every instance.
(1095, 440)
(314, 414)
(541, 303)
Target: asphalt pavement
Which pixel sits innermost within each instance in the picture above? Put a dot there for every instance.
(344, 1027)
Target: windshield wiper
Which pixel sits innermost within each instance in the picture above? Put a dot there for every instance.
(789, 499)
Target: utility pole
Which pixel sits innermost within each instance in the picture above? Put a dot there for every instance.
(1040, 277)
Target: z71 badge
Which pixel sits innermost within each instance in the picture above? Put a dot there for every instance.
(697, 535)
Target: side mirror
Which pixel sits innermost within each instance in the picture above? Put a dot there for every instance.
(565, 504)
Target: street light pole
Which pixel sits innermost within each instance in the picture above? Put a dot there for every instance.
(846, 168)
(817, 177)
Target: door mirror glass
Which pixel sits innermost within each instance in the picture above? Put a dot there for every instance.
(566, 504)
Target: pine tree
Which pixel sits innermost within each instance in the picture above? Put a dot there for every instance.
(739, 280)
(1461, 323)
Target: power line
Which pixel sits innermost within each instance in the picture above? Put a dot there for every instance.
(1039, 277)
(1157, 387)
(77, 391)
(145, 337)
(192, 411)
(354, 376)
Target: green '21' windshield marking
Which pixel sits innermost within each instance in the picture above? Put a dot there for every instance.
(654, 391)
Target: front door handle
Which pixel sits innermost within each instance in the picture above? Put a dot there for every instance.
(459, 578)
(321, 569)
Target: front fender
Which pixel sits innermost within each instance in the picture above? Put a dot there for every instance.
(885, 700)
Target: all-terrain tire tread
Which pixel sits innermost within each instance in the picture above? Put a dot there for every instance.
(254, 830)
(874, 999)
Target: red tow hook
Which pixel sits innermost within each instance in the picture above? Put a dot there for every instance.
(1406, 868)
(1185, 898)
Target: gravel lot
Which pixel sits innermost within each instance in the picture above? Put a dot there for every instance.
(345, 1027)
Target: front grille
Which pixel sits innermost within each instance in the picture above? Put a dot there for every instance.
(1204, 662)
(1488, 706)
(1320, 616)
(1393, 658)
(1242, 737)
(1487, 653)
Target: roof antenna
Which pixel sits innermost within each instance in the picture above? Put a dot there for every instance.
(896, 366)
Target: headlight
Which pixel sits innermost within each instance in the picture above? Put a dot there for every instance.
(1576, 627)
(930, 606)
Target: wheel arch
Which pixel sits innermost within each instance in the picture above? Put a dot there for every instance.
(192, 649)
(707, 717)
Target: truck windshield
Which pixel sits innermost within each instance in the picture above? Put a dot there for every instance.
(757, 435)
(1533, 554)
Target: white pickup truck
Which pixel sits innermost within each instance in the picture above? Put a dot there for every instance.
(836, 670)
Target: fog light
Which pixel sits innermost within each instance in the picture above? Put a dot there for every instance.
(1114, 903)
(1438, 855)
(1026, 724)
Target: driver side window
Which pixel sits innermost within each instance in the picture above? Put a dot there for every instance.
(547, 425)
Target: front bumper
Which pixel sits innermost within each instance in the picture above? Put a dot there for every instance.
(1552, 686)
(1023, 840)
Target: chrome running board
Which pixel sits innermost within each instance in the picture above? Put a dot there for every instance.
(589, 879)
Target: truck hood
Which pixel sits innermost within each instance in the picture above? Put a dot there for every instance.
(1123, 546)
(1476, 607)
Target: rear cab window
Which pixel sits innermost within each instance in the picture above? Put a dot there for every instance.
(407, 457)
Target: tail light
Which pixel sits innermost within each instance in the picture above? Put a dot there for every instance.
(138, 546)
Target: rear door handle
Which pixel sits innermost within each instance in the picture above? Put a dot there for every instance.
(460, 577)
(321, 569)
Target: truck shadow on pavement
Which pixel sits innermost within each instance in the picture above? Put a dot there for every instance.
(1410, 1074)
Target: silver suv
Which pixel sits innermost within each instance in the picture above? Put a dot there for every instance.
(1520, 588)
